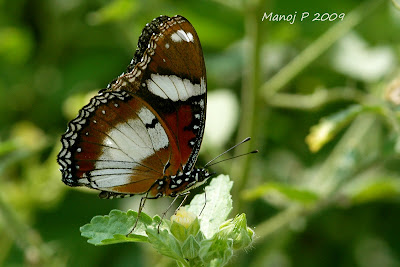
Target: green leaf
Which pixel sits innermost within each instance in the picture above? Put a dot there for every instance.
(118, 238)
(190, 248)
(238, 231)
(200, 236)
(381, 189)
(216, 251)
(218, 205)
(179, 228)
(288, 191)
(178, 231)
(165, 243)
(113, 228)
(194, 227)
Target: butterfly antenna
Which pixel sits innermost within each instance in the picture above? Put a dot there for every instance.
(223, 153)
(252, 152)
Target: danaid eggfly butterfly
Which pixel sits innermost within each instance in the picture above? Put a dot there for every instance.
(142, 134)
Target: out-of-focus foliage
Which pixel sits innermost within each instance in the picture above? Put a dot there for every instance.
(319, 98)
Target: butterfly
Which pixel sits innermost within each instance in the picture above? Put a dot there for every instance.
(142, 133)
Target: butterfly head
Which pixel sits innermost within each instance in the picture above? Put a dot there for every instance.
(185, 181)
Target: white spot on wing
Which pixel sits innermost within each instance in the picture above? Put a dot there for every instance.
(130, 141)
(201, 103)
(152, 85)
(146, 115)
(203, 85)
(193, 89)
(141, 131)
(110, 143)
(181, 35)
(174, 88)
(111, 180)
(127, 165)
(190, 36)
(109, 171)
(158, 137)
(83, 181)
(112, 154)
(180, 87)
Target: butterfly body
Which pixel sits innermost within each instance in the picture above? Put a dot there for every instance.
(142, 134)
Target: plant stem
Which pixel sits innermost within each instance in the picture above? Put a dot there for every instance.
(251, 70)
(316, 100)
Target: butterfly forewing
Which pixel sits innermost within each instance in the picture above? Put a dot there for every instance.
(174, 82)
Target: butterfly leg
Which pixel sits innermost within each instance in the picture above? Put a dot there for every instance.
(141, 206)
(186, 194)
(205, 201)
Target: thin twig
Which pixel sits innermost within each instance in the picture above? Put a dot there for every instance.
(251, 70)
(317, 99)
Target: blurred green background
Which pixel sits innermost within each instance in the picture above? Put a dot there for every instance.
(320, 99)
